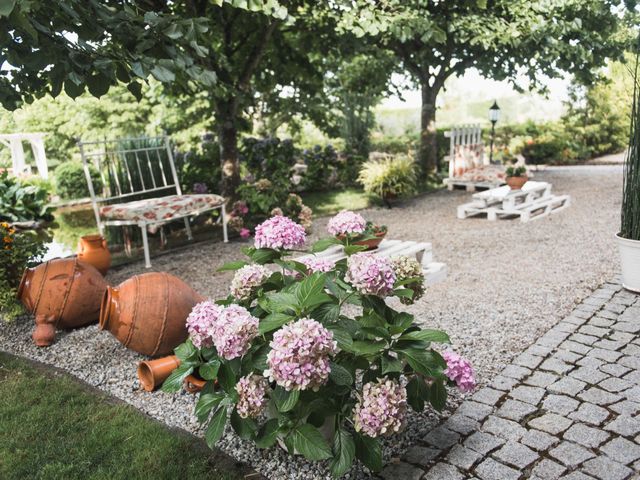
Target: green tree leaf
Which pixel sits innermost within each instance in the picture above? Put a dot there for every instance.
(417, 393)
(206, 403)
(308, 440)
(267, 434)
(273, 321)
(309, 288)
(209, 370)
(227, 377)
(368, 451)
(245, 427)
(340, 375)
(285, 400)
(231, 266)
(325, 243)
(438, 395)
(344, 451)
(216, 427)
(437, 336)
(173, 383)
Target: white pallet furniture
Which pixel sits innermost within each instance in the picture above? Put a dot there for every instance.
(140, 175)
(434, 272)
(533, 201)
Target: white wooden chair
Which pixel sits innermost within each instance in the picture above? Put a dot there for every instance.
(142, 167)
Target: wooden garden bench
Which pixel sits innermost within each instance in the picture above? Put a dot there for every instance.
(140, 186)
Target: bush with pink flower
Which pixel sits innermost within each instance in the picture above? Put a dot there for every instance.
(346, 223)
(289, 343)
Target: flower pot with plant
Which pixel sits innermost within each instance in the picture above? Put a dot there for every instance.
(516, 177)
(629, 236)
(291, 359)
(351, 228)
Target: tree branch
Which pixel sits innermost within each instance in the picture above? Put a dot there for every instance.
(253, 60)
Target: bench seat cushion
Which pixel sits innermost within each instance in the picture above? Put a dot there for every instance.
(160, 209)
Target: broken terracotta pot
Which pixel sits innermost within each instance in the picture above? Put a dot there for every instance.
(152, 373)
(61, 293)
(147, 313)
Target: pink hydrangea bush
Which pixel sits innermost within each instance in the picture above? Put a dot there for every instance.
(370, 274)
(460, 371)
(300, 355)
(346, 223)
(317, 264)
(247, 280)
(201, 321)
(233, 331)
(381, 408)
(280, 233)
(252, 395)
(297, 344)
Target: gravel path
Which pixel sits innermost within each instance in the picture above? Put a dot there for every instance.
(508, 283)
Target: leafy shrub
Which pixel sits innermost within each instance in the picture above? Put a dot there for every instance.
(200, 166)
(268, 157)
(71, 181)
(322, 168)
(513, 171)
(21, 202)
(291, 351)
(18, 250)
(389, 177)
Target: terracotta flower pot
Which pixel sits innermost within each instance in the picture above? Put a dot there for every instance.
(193, 384)
(372, 243)
(152, 373)
(62, 293)
(93, 249)
(516, 183)
(147, 312)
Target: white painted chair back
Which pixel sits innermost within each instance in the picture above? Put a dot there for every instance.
(466, 149)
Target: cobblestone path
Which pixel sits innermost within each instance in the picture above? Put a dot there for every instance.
(567, 407)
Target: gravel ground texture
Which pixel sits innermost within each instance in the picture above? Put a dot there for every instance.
(508, 283)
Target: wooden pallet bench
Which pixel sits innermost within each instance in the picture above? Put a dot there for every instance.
(434, 272)
(535, 200)
(469, 185)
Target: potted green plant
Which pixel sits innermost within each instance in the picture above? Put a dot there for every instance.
(516, 177)
(629, 235)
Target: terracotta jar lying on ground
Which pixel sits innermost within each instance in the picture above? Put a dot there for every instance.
(62, 293)
(93, 249)
(152, 373)
(147, 313)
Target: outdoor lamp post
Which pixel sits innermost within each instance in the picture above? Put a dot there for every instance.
(494, 116)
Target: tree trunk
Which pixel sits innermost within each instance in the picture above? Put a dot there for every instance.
(228, 139)
(428, 152)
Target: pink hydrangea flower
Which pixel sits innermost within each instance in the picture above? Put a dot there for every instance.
(315, 264)
(252, 395)
(299, 356)
(346, 222)
(233, 331)
(369, 274)
(460, 371)
(245, 233)
(201, 321)
(280, 233)
(247, 280)
(381, 408)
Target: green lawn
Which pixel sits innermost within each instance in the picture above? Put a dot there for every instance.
(54, 427)
(328, 203)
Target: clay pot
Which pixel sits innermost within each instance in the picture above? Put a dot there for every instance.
(516, 183)
(62, 293)
(93, 249)
(147, 312)
(152, 373)
(193, 384)
(372, 243)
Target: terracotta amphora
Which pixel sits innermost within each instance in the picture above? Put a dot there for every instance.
(61, 293)
(152, 373)
(93, 249)
(147, 313)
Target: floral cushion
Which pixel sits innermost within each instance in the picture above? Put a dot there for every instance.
(159, 209)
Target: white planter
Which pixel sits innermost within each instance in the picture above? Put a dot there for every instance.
(630, 262)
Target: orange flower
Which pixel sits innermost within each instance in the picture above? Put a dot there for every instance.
(4, 225)
(7, 239)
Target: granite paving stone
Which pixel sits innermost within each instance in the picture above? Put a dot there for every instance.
(488, 396)
(516, 455)
(483, 443)
(615, 385)
(492, 470)
(539, 440)
(547, 470)
(515, 410)
(570, 454)
(441, 437)
(463, 457)
(606, 355)
(550, 423)
(394, 471)
(541, 379)
(588, 436)
(590, 413)
(461, 424)
(598, 396)
(604, 468)
(503, 428)
(589, 375)
(475, 410)
(531, 395)
(590, 362)
(584, 339)
(556, 365)
(624, 425)
(576, 476)
(420, 455)
(566, 356)
(630, 361)
(503, 383)
(626, 407)
(442, 471)
(616, 370)
(516, 372)
(575, 347)
(560, 404)
(622, 450)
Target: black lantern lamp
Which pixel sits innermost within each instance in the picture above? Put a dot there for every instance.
(494, 116)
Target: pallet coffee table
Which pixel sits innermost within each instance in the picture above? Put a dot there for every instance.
(534, 200)
(434, 272)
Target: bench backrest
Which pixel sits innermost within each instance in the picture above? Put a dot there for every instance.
(129, 169)
(466, 149)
